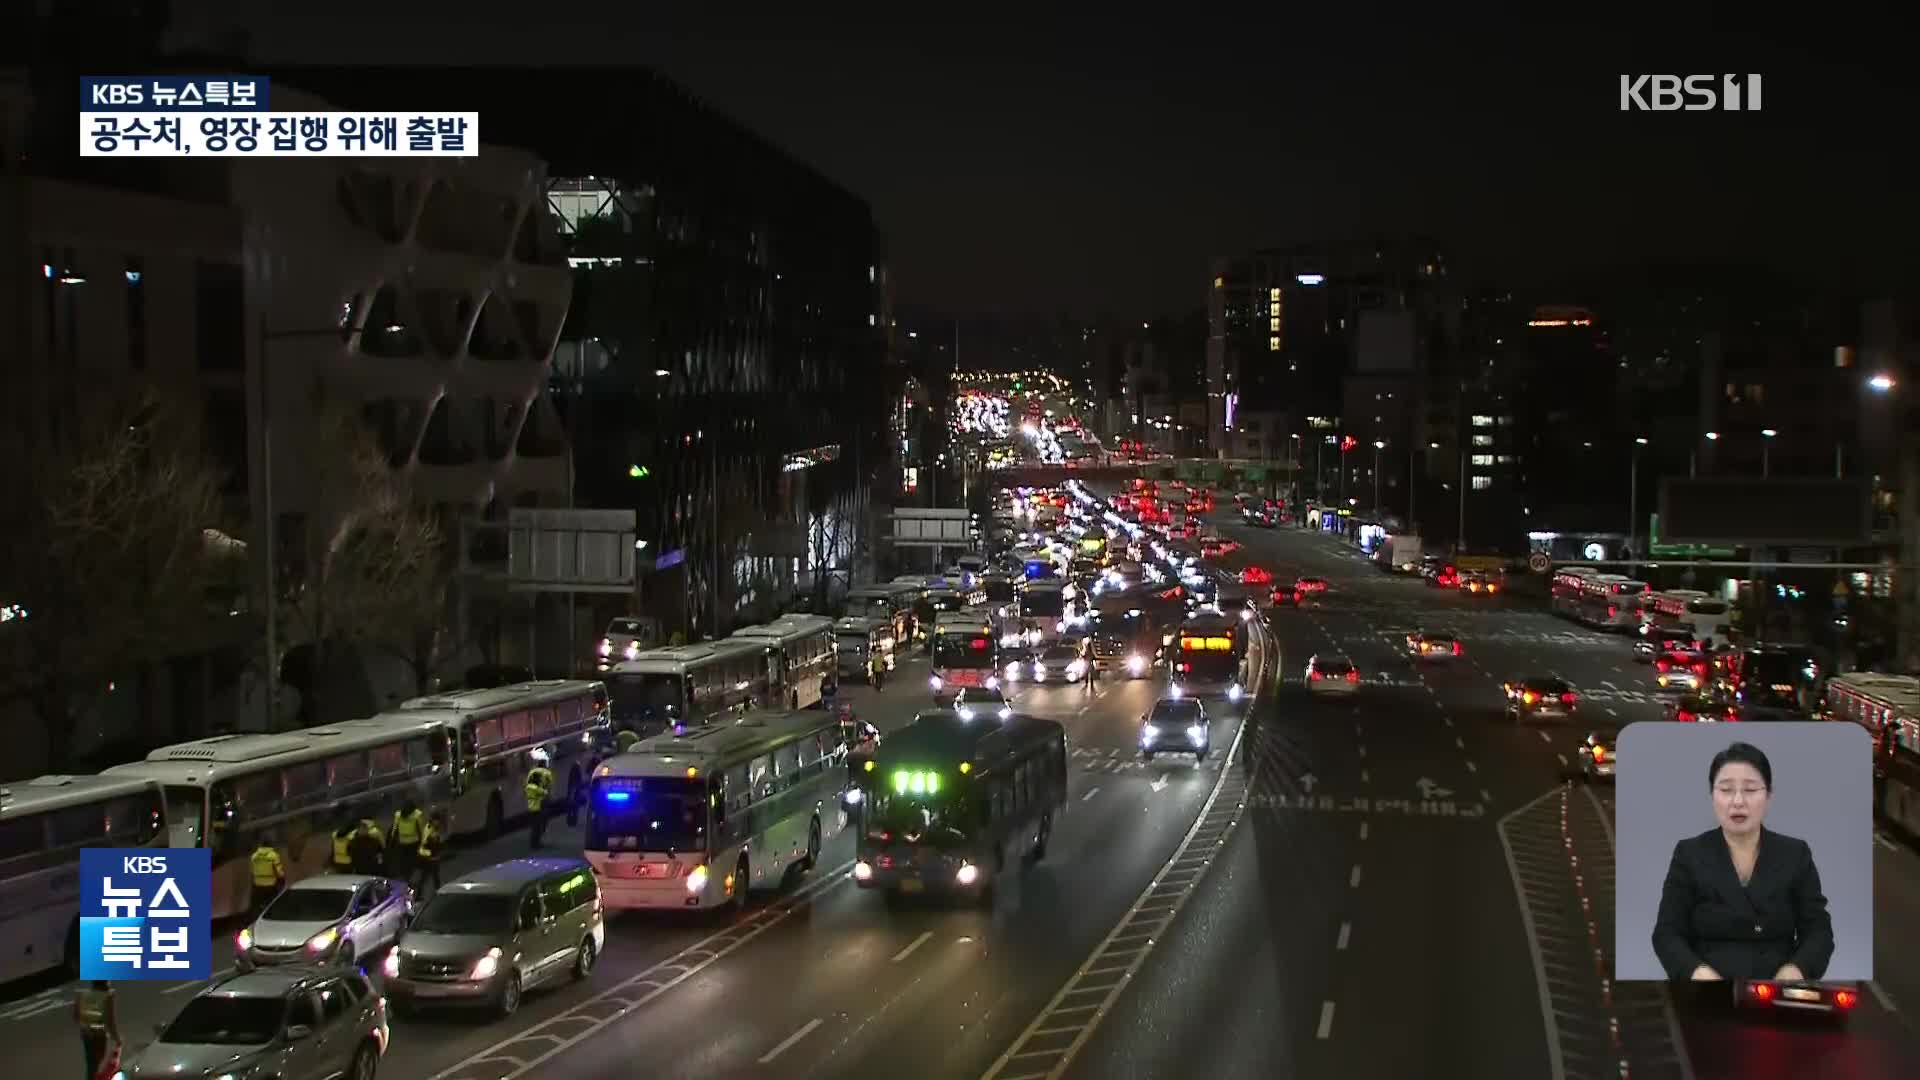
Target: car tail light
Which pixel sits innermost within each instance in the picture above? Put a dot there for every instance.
(1685, 716)
(1599, 753)
(1568, 700)
(1456, 648)
(1313, 676)
(1529, 697)
(1845, 999)
(1353, 676)
(1612, 612)
(1700, 670)
(1661, 665)
(1763, 991)
(1185, 667)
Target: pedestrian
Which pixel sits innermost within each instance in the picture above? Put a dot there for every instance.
(876, 672)
(99, 1023)
(344, 830)
(432, 844)
(269, 875)
(1088, 662)
(404, 846)
(368, 848)
(539, 786)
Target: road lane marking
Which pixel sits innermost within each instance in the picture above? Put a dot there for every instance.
(1882, 839)
(1611, 711)
(916, 943)
(1471, 767)
(1485, 795)
(1459, 742)
(786, 1044)
(1363, 776)
(1091, 792)
(1353, 879)
(1326, 1021)
(1447, 720)
(1563, 759)
(1363, 830)
(1363, 752)
(1555, 1061)
(1346, 931)
(1544, 737)
(636, 991)
(30, 1008)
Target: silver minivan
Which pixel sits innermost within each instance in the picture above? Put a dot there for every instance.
(494, 934)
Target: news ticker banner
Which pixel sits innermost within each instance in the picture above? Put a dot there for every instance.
(228, 116)
(146, 913)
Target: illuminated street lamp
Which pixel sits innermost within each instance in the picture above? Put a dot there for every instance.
(1766, 450)
(1881, 383)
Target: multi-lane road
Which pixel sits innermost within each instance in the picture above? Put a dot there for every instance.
(1374, 887)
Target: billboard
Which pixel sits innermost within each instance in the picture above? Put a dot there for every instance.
(1790, 511)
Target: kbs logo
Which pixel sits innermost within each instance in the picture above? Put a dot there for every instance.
(1691, 93)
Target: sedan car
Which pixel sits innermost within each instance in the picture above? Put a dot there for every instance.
(1681, 671)
(327, 918)
(1287, 593)
(1700, 709)
(1332, 674)
(287, 1022)
(1061, 663)
(1424, 646)
(1256, 575)
(1540, 698)
(1312, 586)
(1655, 642)
(1177, 725)
(1596, 758)
(982, 701)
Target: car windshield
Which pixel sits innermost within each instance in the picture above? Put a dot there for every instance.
(639, 698)
(1060, 654)
(647, 814)
(1043, 602)
(309, 905)
(1547, 686)
(962, 650)
(942, 820)
(466, 913)
(628, 627)
(1175, 712)
(227, 1020)
(1333, 665)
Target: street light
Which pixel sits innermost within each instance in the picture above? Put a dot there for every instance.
(1766, 450)
(1881, 383)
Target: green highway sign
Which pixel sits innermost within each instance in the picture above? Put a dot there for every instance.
(1658, 550)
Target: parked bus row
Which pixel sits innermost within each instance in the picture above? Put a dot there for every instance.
(1616, 602)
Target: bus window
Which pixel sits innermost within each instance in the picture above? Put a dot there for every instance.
(79, 826)
(257, 795)
(486, 736)
(134, 820)
(20, 840)
(306, 784)
(345, 770)
(518, 728)
(186, 815)
(786, 766)
(388, 761)
(739, 788)
(542, 722)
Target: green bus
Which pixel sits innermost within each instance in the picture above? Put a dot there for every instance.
(948, 803)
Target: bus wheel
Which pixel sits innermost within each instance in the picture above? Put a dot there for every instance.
(495, 817)
(813, 845)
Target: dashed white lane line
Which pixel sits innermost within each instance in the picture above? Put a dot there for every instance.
(1346, 931)
(915, 944)
(1363, 752)
(1459, 742)
(1091, 792)
(1485, 795)
(1611, 711)
(1325, 1031)
(786, 1044)
(1353, 879)
(1364, 778)
(1544, 737)
(1562, 757)
(1447, 720)
(1471, 767)
(1363, 830)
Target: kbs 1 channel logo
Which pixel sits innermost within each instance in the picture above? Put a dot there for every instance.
(146, 913)
(228, 116)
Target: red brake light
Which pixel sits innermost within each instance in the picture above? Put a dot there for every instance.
(1313, 675)
(1700, 670)
(1661, 665)
(1763, 991)
(979, 644)
(1185, 667)
(1456, 648)
(1353, 676)
(1685, 716)
(1612, 611)
(1845, 999)
(1568, 699)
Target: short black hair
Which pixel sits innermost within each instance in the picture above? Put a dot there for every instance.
(1741, 754)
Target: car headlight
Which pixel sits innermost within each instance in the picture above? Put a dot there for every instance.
(1233, 692)
(1039, 673)
(489, 965)
(967, 874)
(633, 650)
(697, 877)
(391, 966)
(966, 714)
(1136, 664)
(243, 940)
(1196, 734)
(606, 647)
(324, 940)
(1149, 732)
(1013, 670)
(993, 682)
(1006, 714)
(852, 797)
(862, 871)
(1060, 627)
(934, 682)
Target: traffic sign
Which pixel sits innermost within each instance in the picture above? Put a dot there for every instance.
(1539, 562)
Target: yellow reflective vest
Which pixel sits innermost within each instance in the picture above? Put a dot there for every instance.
(539, 786)
(430, 842)
(342, 841)
(407, 827)
(267, 868)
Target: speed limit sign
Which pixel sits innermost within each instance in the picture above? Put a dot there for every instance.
(1539, 562)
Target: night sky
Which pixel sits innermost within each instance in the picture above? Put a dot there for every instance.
(1091, 164)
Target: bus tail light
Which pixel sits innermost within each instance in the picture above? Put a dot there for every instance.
(1353, 675)
(697, 879)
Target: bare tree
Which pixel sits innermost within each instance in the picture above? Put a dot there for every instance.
(370, 560)
(111, 558)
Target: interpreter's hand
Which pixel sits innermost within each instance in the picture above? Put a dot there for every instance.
(1705, 973)
(1790, 973)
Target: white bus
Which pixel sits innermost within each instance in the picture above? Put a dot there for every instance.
(689, 685)
(492, 733)
(804, 651)
(1569, 589)
(1612, 602)
(1888, 707)
(1690, 609)
(965, 654)
(225, 792)
(695, 820)
(44, 823)
(1043, 608)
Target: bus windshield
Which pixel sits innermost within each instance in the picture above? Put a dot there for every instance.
(639, 698)
(968, 650)
(647, 814)
(999, 590)
(186, 813)
(1045, 603)
(934, 820)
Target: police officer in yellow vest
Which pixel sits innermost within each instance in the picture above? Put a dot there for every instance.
(432, 842)
(404, 847)
(539, 790)
(99, 1024)
(269, 874)
(344, 830)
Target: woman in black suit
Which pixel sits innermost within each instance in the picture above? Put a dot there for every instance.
(1740, 901)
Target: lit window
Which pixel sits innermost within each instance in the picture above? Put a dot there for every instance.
(1506, 421)
(1483, 440)
(1219, 283)
(872, 319)
(1273, 295)
(1482, 421)
(1273, 344)
(1843, 356)
(1504, 459)
(1482, 483)
(1273, 324)
(1483, 459)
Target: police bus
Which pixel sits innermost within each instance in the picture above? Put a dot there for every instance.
(492, 734)
(696, 820)
(1209, 656)
(964, 653)
(802, 652)
(690, 685)
(227, 792)
(1043, 607)
(44, 822)
(950, 803)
